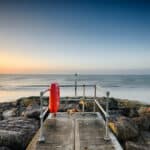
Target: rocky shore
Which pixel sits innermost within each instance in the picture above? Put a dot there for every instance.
(19, 121)
(129, 121)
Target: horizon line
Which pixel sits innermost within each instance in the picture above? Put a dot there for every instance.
(73, 74)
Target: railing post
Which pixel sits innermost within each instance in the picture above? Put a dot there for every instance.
(83, 91)
(107, 115)
(76, 84)
(94, 98)
(41, 138)
(83, 107)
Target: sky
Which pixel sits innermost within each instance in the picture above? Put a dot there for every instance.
(66, 36)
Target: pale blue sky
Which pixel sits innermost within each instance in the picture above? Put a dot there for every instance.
(65, 37)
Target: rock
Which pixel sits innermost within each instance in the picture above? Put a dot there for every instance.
(23, 103)
(30, 103)
(32, 111)
(4, 148)
(69, 106)
(135, 146)
(146, 137)
(144, 110)
(1, 115)
(124, 128)
(14, 104)
(129, 112)
(133, 113)
(35, 113)
(113, 104)
(129, 103)
(125, 111)
(72, 111)
(32, 106)
(7, 106)
(9, 113)
(16, 133)
(143, 122)
(26, 101)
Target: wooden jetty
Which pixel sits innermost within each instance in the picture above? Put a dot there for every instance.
(78, 131)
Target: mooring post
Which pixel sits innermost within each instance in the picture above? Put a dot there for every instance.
(41, 138)
(107, 116)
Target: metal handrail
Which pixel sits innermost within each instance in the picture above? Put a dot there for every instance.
(106, 113)
(101, 108)
(78, 85)
(95, 102)
(42, 115)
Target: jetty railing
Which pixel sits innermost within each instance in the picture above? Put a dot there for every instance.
(106, 113)
(95, 103)
(42, 115)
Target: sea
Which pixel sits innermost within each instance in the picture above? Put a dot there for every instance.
(132, 87)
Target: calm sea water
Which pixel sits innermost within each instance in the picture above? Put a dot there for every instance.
(133, 87)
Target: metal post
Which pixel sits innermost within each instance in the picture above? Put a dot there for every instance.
(94, 98)
(41, 138)
(83, 91)
(76, 84)
(107, 115)
(83, 98)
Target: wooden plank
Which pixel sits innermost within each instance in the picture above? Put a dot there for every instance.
(59, 135)
(91, 135)
(79, 131)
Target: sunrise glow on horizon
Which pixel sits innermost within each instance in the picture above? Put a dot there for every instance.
(88, 37)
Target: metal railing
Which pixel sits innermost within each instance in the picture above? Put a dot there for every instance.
(106, 114)
(42, 115)
(95, 103)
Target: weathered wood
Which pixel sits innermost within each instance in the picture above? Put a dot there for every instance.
(79, 131)
(91, 135)
(59, 134)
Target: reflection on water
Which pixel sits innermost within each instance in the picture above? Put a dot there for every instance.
(132, 87)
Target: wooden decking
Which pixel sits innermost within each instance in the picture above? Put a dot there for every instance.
(79, 131)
